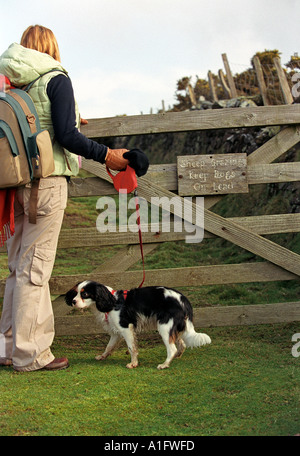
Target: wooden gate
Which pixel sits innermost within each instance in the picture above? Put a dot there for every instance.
(278, 262)
(246, 232)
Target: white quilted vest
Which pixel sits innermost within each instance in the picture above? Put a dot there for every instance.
(22, 66)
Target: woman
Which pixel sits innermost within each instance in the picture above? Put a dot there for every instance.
(27, 323)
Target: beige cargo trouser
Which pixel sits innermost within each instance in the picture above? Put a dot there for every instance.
(27, 322)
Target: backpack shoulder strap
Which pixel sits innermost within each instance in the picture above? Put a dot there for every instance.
(28, 87)
(10, 137)
(31, 119)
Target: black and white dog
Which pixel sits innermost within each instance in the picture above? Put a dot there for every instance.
(123, 314)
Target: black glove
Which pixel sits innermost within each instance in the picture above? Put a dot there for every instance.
(138, 161)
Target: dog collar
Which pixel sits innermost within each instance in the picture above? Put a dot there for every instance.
(113, 292)
(124, 293)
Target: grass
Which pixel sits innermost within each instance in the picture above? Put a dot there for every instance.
(246, 383)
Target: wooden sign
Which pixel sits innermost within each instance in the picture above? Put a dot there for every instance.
(212, 174)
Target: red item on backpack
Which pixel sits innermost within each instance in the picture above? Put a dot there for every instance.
(5, 83)
(7, 195)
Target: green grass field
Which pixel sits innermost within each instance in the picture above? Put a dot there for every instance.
(246, 383)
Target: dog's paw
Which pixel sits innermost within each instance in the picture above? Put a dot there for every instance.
(162, 366)
(100, 357)
(132, 365)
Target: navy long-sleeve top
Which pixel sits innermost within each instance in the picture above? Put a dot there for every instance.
(61, 95)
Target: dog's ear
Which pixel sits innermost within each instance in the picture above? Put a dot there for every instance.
(70, 296)
(105, 302)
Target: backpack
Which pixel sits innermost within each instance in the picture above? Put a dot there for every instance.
(26, 152)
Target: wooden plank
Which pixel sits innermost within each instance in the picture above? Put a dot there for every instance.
(260, 80)
(164, 175)
(270, 224)
(89, 186)
(276, 146)
(125, 258)
(204, 317)
(275, 172)
(90, 237)
(76, 325)
(192, 120)
(287, 96)
(60, 308)
(257, 314)
(176, 277)
(229, 76)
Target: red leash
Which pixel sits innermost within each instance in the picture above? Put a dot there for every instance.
(138, 219)
(126, 180)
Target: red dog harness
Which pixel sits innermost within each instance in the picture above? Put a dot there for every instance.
(124, 293)
(113, 292)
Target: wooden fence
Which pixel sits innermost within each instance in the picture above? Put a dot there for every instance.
(246, 232)
(271, 81)
(278, 262)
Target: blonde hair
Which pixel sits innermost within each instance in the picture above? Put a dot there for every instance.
(41, 39)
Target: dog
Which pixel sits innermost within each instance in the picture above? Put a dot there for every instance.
(123, 314)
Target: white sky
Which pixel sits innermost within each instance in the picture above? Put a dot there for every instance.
(125, 56)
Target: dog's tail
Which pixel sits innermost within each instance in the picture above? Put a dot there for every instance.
(193, 339)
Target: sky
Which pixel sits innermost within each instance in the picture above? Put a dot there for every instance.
(126, 56)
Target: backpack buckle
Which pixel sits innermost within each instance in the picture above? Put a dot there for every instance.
(30, 118)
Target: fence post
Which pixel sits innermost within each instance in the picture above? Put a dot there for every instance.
(229, 76)
(192, 95)
(224, 84)
(212, 86)
(260, 79)
(288, 98)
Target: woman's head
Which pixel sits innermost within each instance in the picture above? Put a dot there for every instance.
(41, 39)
